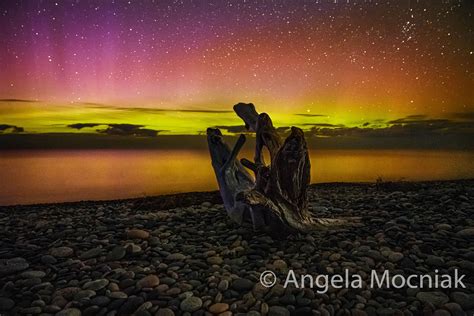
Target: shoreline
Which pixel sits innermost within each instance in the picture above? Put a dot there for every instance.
(196, 197)
(181, 255)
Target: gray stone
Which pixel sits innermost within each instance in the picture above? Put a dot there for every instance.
(69, 312)
(84, 294)
(435, 298)
(31, 310)
(48, 259)
(92, 253)
(33, 274)
(117, 295)
(466, 233)
(61, 252)
(242, 285)
(13, 265)
(96, 285)
(455, 309)
(395, 256)
(164, 312)
(176, 257)
(466, 301)
(138, 234)
(150, 281)
(223, 285)
(116, 254)
(215, 260)
(191, 304)
(6, 303)
(131, 305)
(434, 261)
(278, 311)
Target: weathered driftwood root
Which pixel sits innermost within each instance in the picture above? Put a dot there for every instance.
(277, 199)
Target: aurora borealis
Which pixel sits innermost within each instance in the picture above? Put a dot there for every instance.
(308, 63)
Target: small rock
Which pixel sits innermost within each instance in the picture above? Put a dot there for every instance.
(33, 274)
(176, 257)
(465, 300)
(395, 256)
(67, 292)
(47, 259)
(117, 295)
(242, 285)
(215, 260)
(307, 249)
(150, 281)
(191, 304)
(434, 261)
(435, 298)
(61, 252)
(218, 308)
(69, 312)
(280, 265)
(133, 248)
(84, 294)
(278, 311)
(116, 254)
(96, 285)
(466, 233)
(92, 253)
(13, 265)
(31, 310)
(138, 234)
(131, 305)
(223, 285)
(454, 308)
(165, 312)
(6, 304)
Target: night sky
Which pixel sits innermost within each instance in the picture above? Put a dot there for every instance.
(347, 62)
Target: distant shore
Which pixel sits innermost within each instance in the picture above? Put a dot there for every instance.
(180, 254)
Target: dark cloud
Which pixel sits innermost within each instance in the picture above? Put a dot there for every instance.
(154, 110)
(415, 125)
(176, 110)
(283, 129)
(233, 128)
(17, 100)
(412, 121)
(237, 129)
(129, 130)
(119, 129)
(411, 132)
(311, 115)
(94, 104)
(464, 116)
(323, 125)
(416, 117)
(11, 128)
(84, 125)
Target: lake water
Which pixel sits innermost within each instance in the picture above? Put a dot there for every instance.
(71, 175)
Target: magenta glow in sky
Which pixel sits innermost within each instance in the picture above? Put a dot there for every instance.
(352, 57)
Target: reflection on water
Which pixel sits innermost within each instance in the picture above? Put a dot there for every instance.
(71, 175)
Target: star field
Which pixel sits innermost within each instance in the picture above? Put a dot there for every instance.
(351, 59)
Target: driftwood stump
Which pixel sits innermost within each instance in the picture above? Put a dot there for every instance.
(275, 199)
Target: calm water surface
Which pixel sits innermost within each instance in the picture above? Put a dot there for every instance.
(72, 175)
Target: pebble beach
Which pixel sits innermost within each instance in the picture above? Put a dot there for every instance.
(181, 255)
